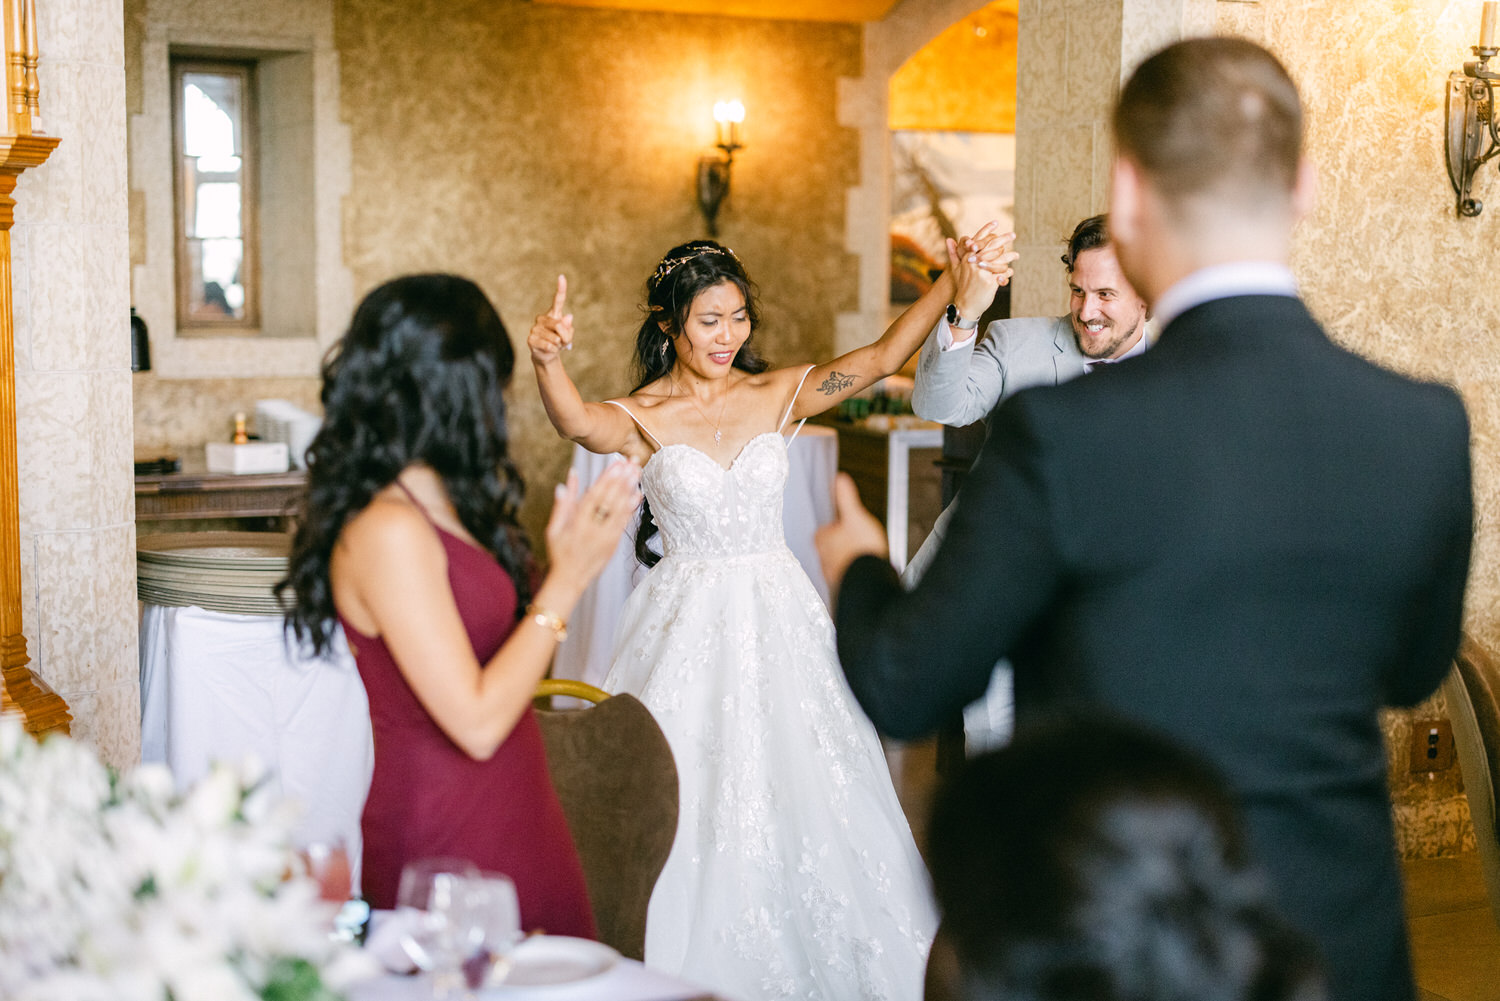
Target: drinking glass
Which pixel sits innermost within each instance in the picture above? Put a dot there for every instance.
(497, 912)
(328, 863)
(439, 922)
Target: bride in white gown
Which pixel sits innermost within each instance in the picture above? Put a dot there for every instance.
(793, 873)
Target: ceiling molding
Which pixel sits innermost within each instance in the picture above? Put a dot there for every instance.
(777, 10)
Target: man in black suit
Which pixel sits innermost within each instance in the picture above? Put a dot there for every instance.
(1248, 538)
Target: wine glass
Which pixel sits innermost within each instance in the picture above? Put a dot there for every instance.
(328, 863)
(497, 912)
(439, 930)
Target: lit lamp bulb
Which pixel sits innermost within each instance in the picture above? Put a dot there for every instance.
(729, 115)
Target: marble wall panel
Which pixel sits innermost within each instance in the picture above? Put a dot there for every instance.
(70, 261)
(63, 634)
(52, 451)
(536, 167)
(61, 338)
(110, 445)
(109, 720)
(101, 88)
(84, 632)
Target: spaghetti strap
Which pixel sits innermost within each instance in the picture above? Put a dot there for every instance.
(617, 403)
(415, 503)
(786, 416)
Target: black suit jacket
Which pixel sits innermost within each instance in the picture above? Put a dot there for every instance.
(1249, 538)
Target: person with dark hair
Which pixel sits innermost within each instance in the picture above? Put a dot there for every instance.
(961, 378)
(794, 873)
(408, 539)
(1122, 873)
(1251, 538)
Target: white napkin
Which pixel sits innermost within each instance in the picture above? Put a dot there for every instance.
(384, 940)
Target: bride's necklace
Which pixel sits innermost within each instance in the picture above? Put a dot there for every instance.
(723, 408)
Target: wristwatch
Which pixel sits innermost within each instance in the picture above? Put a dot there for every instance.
(958, 322)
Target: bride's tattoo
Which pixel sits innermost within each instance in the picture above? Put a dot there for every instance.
(836, 382)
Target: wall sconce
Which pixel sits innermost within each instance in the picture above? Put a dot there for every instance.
(713, 171)
(1471, 114)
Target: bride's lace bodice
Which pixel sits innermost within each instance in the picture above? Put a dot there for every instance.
(705, 511)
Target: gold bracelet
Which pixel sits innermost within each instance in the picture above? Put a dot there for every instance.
(548, 620)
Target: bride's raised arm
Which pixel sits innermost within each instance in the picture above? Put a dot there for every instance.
(849, 373)
(598, 427)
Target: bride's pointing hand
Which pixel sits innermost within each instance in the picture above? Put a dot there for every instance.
(552, 333)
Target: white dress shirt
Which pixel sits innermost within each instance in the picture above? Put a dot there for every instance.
(1221, 281)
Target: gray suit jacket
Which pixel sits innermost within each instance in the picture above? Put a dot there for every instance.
(963, 385)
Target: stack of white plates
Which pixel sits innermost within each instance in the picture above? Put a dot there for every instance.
(222, 571)
(282, 420)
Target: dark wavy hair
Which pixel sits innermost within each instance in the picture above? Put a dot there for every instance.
(687, 270)
(418, 378)
(1095, 859)
(1090, 234)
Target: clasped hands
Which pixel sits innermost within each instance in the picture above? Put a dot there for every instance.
(981, 263)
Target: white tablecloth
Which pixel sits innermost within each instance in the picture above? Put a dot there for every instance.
(216, 686)
(627, 980)
(814, 459)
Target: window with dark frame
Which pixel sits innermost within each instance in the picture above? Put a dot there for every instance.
(214, 162)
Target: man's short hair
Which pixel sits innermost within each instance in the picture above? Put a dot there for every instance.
(1090, 234)
(1212, 116)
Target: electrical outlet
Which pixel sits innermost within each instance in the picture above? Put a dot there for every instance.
(1431, 745)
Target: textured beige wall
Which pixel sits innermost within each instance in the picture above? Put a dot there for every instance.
(1383, 261)
(71, 287)
(1391, 271)
(509, 142)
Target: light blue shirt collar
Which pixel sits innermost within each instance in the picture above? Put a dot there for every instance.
(1220, 282)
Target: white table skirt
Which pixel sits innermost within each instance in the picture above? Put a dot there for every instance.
(627, 980)
(216, 686)
(814, 459)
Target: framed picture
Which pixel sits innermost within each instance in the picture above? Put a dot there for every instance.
(944, 184)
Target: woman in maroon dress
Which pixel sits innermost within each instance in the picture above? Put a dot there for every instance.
(409, 539)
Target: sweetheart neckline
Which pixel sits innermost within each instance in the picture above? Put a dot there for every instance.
(732, 462)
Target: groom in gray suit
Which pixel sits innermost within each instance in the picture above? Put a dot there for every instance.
(960, 378)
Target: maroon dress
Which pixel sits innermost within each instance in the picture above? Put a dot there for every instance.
(428, 798)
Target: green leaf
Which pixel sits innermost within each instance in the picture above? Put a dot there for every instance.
(296, 980)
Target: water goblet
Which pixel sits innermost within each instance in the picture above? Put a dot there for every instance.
(438, 920)
(497, 912)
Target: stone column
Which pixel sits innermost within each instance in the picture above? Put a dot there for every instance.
(1073, 55)
(73, 394)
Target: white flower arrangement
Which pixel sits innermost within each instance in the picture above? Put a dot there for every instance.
(113, 887)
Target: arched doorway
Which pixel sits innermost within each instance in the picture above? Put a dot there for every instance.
(865, 105)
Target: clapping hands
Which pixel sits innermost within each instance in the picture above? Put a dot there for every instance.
(585, 525)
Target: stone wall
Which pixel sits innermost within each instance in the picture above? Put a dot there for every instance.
(71, 283)
(509, 142)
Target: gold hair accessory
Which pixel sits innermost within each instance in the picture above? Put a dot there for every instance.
(669, 265)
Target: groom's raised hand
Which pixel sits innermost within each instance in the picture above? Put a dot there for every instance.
(852, 533)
